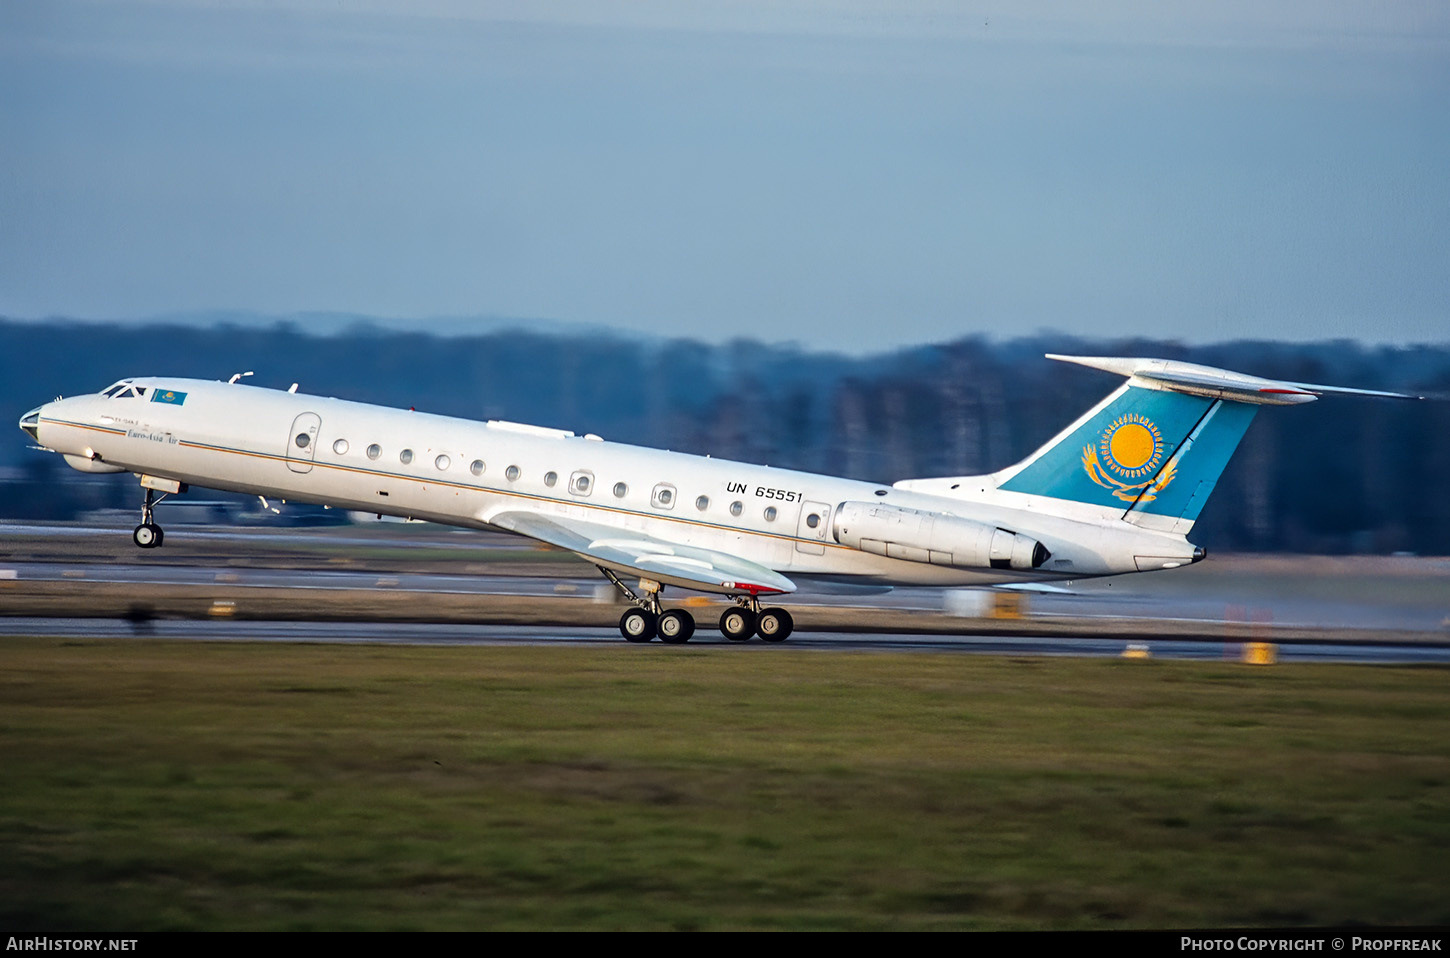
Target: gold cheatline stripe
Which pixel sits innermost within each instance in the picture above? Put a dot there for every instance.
(82, 425)
(503, 492)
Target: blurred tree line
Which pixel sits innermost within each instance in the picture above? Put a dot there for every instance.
(1338, 475)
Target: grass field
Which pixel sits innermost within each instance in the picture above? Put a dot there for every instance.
(152, 785)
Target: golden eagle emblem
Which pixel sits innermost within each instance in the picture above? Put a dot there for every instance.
(1126, 459)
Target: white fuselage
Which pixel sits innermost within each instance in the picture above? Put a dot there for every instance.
(460, 472)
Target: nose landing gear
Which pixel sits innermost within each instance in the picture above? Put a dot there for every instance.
(148, 535)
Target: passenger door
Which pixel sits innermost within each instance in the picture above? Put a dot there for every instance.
(302, 442)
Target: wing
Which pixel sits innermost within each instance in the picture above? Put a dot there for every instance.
(627, 550)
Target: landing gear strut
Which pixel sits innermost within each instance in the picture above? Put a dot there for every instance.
(148, 534)
(643, 623)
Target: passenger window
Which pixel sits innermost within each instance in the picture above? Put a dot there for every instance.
(442, 462)
(512, 473)
(476, 467)
(340, 447)
(663, 496)
(620, 490)
(406, 456)
(303, 440)
(581, 483)
(374, 451)
(770, 513)
(702, 503)
(737, 507)
(550, 478)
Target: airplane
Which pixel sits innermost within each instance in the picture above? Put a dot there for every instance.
(1116, 491)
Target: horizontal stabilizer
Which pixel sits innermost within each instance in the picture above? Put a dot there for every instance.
(1214, 383)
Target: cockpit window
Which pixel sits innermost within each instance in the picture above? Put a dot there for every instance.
(124, 390)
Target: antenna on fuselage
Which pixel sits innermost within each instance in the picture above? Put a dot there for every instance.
(292, 388)
(236, 376)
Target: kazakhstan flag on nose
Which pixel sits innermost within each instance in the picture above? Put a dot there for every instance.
(167, 395)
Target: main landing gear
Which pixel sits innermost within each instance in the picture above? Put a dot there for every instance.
(748, 618)
(649, 620)
(148, 534)
(675, 626)
(640, 625)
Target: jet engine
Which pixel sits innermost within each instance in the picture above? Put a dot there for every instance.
(934, 537)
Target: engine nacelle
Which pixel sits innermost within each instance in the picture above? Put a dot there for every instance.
(934, 537)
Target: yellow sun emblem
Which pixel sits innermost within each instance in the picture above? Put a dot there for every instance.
(1126, 459)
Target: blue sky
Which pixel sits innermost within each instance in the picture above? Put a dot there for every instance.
(849, 176)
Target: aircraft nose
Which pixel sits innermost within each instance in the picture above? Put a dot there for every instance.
(30, 423)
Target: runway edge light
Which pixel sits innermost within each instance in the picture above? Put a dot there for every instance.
(1260, 653)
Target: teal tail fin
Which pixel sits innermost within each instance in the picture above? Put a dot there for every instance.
(1156, 447)
(1142, 450)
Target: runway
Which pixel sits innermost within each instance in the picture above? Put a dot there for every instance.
(1418, 607)
(420, 584)
(402, 633)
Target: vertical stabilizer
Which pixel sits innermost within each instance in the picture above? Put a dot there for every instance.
(1155, 447)
(1148, 451)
